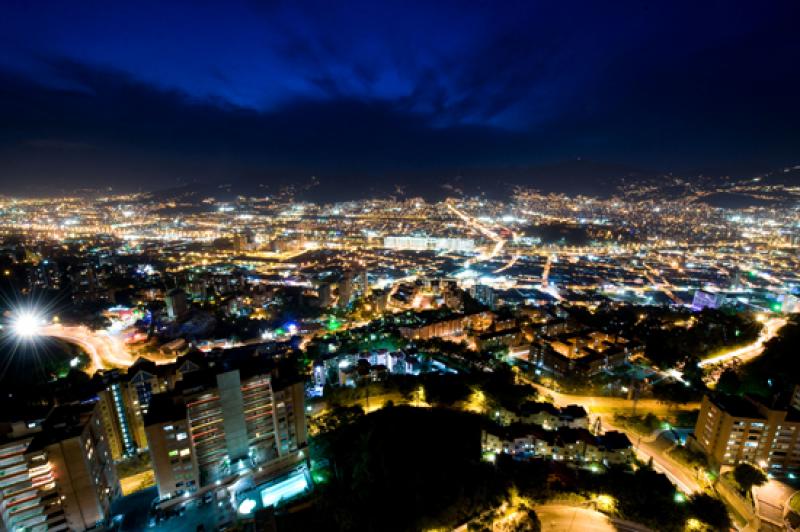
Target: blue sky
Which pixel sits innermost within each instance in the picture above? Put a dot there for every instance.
(102, 92)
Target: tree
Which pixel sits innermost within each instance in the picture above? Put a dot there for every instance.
(747, 476)
(729, 382)
(709, 510)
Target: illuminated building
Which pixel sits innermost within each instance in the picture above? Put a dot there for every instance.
(345, 289)
(61, 477)
(703, 299)
(586, 352)
(424, 243)
(126, 398)
(324, 294)
(483, 294)
(217, 424)
(730, 430)
(171, 452)
(560, 444)
(29, 497)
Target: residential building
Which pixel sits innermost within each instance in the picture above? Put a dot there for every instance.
(730, 430)
(177, 303)
(171, 451)
(576, 445)
(225, 419)
(59, 476)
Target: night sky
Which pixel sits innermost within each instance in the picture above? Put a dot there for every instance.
(363, 96)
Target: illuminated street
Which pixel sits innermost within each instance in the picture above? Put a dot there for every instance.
(105, 350)
(558, 518)
(748, 352)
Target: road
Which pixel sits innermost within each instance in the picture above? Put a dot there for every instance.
(600, 404)
(683, 477)
(499, 241)
(604, 407)
(748, 352)
(563, 518)
(771, 499)
(105, 351)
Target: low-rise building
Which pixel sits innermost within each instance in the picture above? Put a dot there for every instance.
(576, 445)
(546, 415)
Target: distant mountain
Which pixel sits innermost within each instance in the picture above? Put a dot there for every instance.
(574, 177)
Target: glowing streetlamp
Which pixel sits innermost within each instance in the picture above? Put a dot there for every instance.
(27, 324)
(606, 503)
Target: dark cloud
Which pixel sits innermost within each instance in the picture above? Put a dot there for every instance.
(367, 95)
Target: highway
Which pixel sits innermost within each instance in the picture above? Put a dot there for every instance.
(748, 352)
(105, 351)
(499, 242)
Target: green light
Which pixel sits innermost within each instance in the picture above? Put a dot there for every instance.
(680, 498)
(279, 331)
(776, 307)
(666, 426)
(333, 324)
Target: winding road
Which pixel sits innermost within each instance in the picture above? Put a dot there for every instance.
(105, 350)
(751, 351)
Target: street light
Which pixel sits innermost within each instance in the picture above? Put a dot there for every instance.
(694, 524)
(605, 503)
(27, 324)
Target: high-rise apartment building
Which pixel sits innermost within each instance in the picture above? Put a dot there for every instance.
(60, 476)
(171, 451)
(177, 303)
(732, 430)
(125, 400)
(219, 422)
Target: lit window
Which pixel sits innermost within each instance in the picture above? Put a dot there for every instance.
(181, 436)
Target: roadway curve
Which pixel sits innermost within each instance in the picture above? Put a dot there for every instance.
(748, 352)
(106, 351)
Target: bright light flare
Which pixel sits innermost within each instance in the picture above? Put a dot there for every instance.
(27, 324)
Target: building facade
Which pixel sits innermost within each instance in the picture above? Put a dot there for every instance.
(224, 424)
(733, 430)
(60, 478)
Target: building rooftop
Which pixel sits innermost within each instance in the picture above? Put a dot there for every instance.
(63, 423)
(165, 407)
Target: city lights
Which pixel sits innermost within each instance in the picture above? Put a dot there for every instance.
(247, 506)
